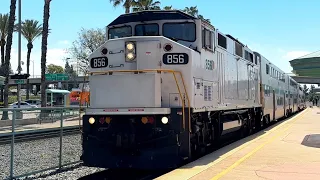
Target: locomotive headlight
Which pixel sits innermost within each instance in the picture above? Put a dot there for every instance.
(164, 120)
(130, 56)
(130, 46)
(91, 120)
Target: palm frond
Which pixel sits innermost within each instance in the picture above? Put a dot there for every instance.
(31, 29)
(4, 23)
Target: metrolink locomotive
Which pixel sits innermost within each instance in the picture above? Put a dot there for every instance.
(166, 85)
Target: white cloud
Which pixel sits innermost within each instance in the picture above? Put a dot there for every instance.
(295, 54)
(64, 42)
(54, 56)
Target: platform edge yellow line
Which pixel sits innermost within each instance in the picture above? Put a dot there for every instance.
(237, 163)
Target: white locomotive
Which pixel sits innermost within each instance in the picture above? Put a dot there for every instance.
(166, 85)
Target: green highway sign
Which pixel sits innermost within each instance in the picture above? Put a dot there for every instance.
(19, 81)
(57, 77)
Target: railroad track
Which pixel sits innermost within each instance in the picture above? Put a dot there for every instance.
(29, 135)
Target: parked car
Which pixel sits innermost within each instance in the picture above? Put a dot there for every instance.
(36, 102)
(22, 105)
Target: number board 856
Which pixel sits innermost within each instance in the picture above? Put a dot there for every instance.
(99, 62)
(175, 58)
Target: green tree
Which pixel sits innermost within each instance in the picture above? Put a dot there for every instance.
(305, 90)
(127, 4)
(54, 69)
(72, 75)
(4, 23)
(311, 95)
(193, 11)
(8, 55)
(45, 32)
(202, 18)
(88, 41)
(30, 29)
(141, 5)
(167, 8)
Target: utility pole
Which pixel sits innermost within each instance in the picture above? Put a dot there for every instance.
(19, 53)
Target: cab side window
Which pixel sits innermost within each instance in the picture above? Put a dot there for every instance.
(207, 39)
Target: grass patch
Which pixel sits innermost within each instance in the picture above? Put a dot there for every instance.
(13, 99)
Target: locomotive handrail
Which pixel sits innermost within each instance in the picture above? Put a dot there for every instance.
(176, 81)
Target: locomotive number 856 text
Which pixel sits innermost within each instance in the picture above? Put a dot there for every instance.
(175, 58)
(99, 62)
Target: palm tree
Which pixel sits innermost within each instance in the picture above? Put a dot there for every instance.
(127, 4)
(167, 8)
(4, 21)
(45, 32)
(202, 18)
(193, 11)
(4, 18)
(7, 55)
(30, 29)
(141, 5)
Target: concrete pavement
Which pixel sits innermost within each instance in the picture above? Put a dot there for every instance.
(288, 150)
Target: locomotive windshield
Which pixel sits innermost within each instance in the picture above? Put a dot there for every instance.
(185, 31)
(120, 32)
(143, 24)
(147, 30)
(180, 31)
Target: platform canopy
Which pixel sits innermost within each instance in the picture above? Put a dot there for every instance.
(307, 66)
(57, 91)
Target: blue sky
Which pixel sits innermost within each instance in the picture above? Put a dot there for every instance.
(279, 29)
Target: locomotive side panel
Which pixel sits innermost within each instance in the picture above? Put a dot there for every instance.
(169, 91)
(241, 73)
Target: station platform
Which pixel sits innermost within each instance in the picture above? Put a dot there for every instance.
(289, 149)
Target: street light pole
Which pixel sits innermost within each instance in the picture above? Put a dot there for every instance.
(19, 52)
(32, 68)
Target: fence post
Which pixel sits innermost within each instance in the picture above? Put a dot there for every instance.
(61, 134)
(12, 143)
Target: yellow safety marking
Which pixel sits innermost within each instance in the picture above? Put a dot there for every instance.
(200, 169)
(237, 163)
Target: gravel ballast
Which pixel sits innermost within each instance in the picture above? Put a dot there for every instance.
(42, 154)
